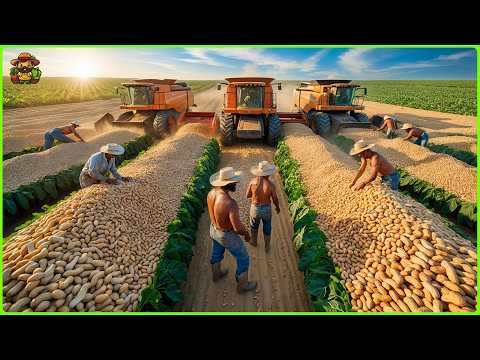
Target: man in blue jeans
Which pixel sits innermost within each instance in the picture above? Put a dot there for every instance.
(226, 228)
(61, 133)
(262, 192)
(379, 165)
(421, 135)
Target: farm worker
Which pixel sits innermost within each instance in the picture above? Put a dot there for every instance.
(390, 123)
(379, 165)
(99, 163)
(421, 135)
(61, 133)
(226, 228)
(262, 191)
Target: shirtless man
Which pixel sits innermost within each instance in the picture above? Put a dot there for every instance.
(379, 165)
(226, 228)
(389, 123)
(262, 192)
(421, 135)
(61, 133)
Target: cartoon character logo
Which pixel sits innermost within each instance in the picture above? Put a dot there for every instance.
(25, 70)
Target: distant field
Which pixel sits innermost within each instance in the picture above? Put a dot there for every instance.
(451, 96)
(70, 90)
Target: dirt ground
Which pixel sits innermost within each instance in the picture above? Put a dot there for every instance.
(280, 283)
(437, 124)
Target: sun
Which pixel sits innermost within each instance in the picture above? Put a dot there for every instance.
(82, 70)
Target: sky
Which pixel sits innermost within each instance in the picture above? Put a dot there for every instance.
(281, 63)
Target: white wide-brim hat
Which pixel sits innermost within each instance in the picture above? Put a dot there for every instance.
(225, 176)
(389, 117)
(407, 126)
(75, 122)
(113, 149)
(360, 146)
(263, 168)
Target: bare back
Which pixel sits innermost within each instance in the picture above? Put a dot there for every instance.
(261, 190)
(67, 129)
(384, 167)
(220, 207)
(390, 124)
(416, 132)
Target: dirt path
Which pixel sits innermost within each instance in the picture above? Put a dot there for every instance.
(280, 283)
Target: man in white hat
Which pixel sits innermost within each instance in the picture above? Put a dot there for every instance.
(61, 133)
(262, 192)
(226, 228)
(379, 165)
(421, 135)
(95, 169)
(389, 122)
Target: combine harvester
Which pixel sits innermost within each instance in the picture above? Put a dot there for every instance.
(157, 106)
(326, 106)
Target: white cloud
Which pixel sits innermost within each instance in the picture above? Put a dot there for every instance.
(161, 64)
(354, 61)
(457, 56)
(200, 56)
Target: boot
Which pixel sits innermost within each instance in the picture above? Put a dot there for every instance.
(253, 237)
(244, 285)
(267, 242)
(217, 272)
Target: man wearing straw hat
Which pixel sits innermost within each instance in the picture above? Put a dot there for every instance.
(262, 192)
(389, 122)
(226, 228)
(380, 166)
(95, 169)
(61, 133)
(421, 135)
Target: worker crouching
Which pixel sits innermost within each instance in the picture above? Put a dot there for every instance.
(412, 131)
(226, 228)
(262, 192)
(99, 164)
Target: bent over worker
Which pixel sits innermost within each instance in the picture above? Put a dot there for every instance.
(262, 192)
(226, 228)
(421, 135)
(97, 166)
(379, 166)
(61, 133)
(389, 122)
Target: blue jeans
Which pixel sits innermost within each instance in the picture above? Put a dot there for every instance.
(261, 213)
(393, 179)
(422, 140)
(390, 133)
(234, 244)
(55, 134)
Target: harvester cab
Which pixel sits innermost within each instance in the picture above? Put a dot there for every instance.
(157, 106)
(249, 110)
(329, 105)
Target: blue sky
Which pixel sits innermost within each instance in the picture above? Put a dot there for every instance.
(288, 63)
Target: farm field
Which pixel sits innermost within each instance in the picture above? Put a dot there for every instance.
(70, 90)
(448, 96)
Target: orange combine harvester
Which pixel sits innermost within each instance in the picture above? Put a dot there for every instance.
(157, 106)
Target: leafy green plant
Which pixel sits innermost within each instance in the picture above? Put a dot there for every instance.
(467, 157)
(322, 279)
(165, 292)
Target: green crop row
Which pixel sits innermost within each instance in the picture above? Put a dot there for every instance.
(27, 150)
(23, 201)
(165, 291)
(437, 199)
(467, 157)
(322, 278)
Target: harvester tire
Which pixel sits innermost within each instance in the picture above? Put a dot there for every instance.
(227, 129)
(361, 117)
(161, 126)
(321, 124)
(274, 130)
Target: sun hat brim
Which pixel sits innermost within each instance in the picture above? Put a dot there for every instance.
(115, 151)
(265, 172)
(216, 181)
(355, 152)
(407, 127)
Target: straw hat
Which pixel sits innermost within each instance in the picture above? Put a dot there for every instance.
(263, 168)
(113, 149)
(407, 126)
(360, 146)
(225, 176)
(75, 122)
(389, 117)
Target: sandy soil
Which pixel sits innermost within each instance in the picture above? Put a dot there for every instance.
(280, 283)
(438, 124)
